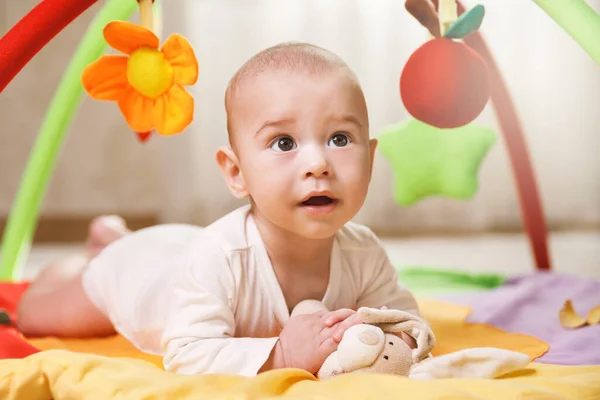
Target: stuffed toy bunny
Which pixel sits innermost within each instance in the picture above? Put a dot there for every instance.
(373, 347)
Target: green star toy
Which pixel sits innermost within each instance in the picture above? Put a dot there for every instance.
(428, 161)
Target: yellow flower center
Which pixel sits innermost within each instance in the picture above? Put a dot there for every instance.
(149, 73)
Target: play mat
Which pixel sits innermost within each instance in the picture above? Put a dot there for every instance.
(552, 318)
(465, 311)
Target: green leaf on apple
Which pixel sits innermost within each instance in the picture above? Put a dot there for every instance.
(467, 23)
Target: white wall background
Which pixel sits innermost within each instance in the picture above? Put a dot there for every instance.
(555, 86)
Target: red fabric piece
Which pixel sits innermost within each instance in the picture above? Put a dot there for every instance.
(445, 83)
(33, 32)
(10, 294)
(12, 344)
(532, 211)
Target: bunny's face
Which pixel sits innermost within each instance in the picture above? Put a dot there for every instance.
(394, 358)
(366, 348)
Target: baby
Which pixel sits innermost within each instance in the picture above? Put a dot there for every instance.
(218, 299)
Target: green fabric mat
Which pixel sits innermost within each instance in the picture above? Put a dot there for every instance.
(436, 281)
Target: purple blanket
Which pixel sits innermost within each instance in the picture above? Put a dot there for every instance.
(530, 305)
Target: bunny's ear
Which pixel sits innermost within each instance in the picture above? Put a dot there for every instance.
(481, 362)
(360, 347)
(394, 321)
(376, 316)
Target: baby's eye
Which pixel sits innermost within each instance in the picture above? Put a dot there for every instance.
(284, 143)
(339, 140)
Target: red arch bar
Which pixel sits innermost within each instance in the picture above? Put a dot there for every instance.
(532, 212)
(33, 32)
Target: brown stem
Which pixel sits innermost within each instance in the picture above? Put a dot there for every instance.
(424, 12)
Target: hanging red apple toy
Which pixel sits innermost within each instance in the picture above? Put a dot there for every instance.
(445, 83)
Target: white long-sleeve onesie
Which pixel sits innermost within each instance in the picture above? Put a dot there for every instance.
(208, 300)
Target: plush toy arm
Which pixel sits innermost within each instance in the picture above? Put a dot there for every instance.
(482, 362)
(331, 367)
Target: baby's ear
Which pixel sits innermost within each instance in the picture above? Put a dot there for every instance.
(230, 167)
(372, 148)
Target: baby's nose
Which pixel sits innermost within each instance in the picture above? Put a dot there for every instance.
(317, 171)
(317, 165)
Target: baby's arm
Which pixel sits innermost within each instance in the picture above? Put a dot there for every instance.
(200, 339)
(383, 290)
(199, 336)
(381, 287)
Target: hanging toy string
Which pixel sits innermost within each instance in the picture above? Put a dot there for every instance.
(448, 14)
(146, 16)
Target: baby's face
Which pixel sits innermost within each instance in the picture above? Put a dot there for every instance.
(304, 150)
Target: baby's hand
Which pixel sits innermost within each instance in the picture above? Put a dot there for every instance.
(412, 343)
(307, 340)
(345, 325)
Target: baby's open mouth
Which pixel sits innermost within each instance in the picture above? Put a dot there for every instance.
(318, 201)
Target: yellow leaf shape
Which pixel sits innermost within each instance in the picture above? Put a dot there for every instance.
(569, 317)
(593, 317)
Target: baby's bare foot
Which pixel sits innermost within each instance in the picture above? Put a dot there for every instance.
(103, 231)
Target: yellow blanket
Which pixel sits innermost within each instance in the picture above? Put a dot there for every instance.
(69, 371)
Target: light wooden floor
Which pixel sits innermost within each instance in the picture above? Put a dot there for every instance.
(574, 253)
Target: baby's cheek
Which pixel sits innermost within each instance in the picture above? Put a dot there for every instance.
(356, 182)
(269, 184)
(360, 167)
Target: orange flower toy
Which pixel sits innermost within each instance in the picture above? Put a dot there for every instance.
(445, 83)
(147, 82)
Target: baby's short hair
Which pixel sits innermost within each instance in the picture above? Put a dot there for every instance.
(290, 56)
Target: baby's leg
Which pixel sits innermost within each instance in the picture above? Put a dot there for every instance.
(55, 304)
